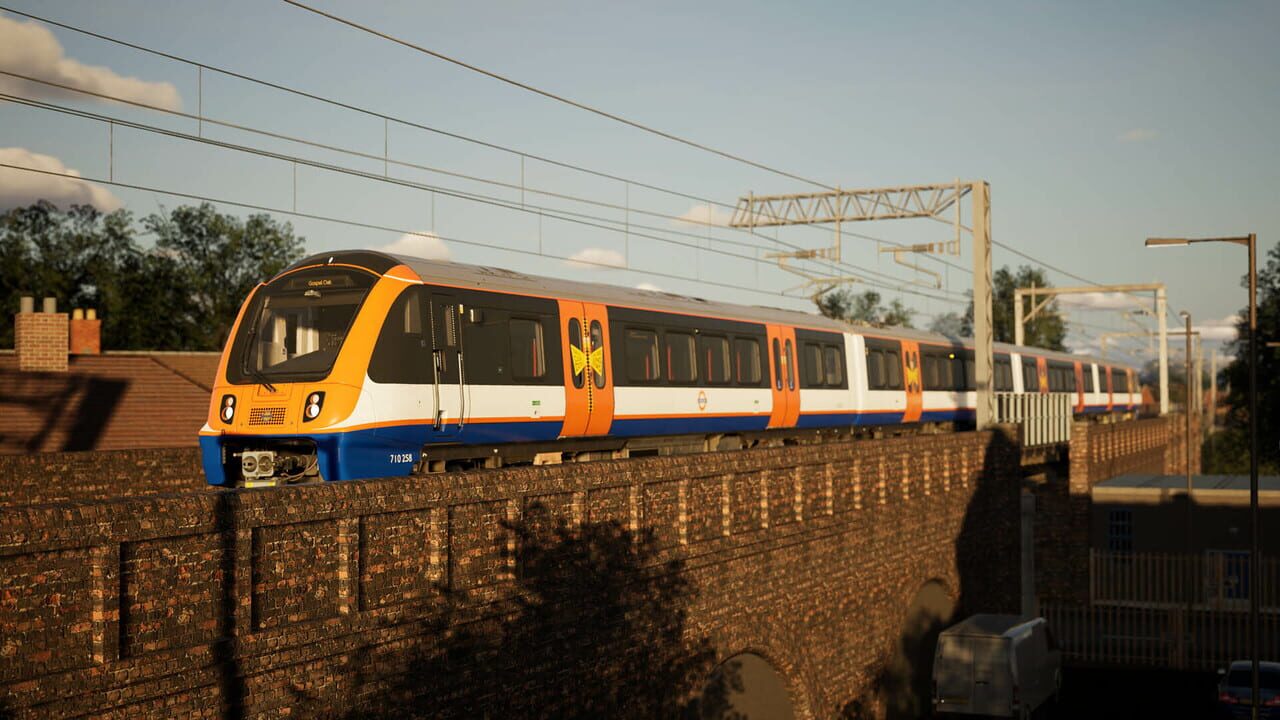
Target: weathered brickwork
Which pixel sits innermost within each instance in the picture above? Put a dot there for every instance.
(40, 340)
(1097, 452)
(299, 601)
(79, 476)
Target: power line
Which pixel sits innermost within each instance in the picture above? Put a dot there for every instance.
(555, 97)
(563, 215)
(375, 226)
(438, 131)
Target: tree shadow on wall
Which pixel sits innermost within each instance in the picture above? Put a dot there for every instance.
(594, 626)
(988, 563)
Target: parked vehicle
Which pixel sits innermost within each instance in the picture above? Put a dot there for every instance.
(996, 665)
(1235, 690)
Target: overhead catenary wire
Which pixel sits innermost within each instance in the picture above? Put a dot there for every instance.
(489, 200)
(556, 97)
(201, 66)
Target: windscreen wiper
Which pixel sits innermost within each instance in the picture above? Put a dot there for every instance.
(262, 379)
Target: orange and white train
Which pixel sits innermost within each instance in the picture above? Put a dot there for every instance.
(360, 364)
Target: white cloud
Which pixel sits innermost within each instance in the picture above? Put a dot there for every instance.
(597, 258)
(1223, 330)
(706, 215)
(1101, 301)
(422, 244)
(19, 187)
(28, 48)
(649, 286)
(1138, 135)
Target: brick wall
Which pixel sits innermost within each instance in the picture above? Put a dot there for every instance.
(1097, 452)
(85, 476)
(40, 340)
(543, 591)
(86, 336)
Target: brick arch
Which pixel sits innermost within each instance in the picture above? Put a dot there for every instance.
(785, 667)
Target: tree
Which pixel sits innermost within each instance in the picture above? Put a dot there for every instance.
(220, 259)
(183, 294)
(863, 308)
(949, 324)
(1268, 372)
(1048, 330)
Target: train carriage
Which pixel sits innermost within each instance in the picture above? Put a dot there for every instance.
(360, 364)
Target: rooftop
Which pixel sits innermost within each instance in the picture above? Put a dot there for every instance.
(112, 401)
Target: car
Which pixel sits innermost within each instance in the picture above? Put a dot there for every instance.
(1235, 690)
(997, 666)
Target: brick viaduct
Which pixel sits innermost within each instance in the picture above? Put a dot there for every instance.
(600, 589)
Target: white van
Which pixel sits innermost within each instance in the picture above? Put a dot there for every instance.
(1000, 665)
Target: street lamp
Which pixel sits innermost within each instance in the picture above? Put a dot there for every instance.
(1250, 241)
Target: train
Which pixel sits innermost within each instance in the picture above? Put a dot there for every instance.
(362, 364)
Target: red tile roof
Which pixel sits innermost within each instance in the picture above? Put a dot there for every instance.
(106, 402)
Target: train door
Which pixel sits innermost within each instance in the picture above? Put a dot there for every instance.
(786, 386)
(1042, 375)
(588, 382)
(448, 393)
(911, 381)
(1080, 370)
(1111, 398)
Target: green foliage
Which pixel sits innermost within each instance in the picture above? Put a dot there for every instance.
(950, 324)
(183, 294)
(1227, 453)
(1048, 330)
(1268, 364)
(863, 308)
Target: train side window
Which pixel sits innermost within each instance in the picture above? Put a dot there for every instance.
(811, 373)
(929, 371)
(1003, 375)
(597, 345)
(528, 357)
(575, 342)
(682, 359)
(833, 364)
(746, 357)
(1087, 369)
(789, 362)
(875, 370)
(1030, 379)
(970, 371)
(777, 364)
(642, 355)
(956, 361)
(893, 370)
(713, 350)
(402, 353)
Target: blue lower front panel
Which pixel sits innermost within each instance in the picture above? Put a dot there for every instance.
(378, 452)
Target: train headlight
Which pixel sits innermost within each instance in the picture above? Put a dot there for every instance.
(227, 411)
(249, 464)
(311, 410)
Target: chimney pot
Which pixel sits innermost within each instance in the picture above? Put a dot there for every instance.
(26, 304)
(51, 305)
(90, 314)
(77, 314)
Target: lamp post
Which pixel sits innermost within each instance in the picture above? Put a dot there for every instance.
(1250, 242)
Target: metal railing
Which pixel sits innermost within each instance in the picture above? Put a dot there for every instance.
(1045, 418)
(1168, 611)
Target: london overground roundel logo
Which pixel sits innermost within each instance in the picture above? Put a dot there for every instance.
(702, 399)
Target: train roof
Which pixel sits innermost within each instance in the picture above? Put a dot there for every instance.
(483, 277)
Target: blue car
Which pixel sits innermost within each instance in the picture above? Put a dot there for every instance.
(1235, 690)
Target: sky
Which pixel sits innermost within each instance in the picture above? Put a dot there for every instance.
(1096, 125)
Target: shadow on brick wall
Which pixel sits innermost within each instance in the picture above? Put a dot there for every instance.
(987, 562)
(594, 625)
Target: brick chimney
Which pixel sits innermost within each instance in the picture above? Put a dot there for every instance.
(40, 338)
(86, 332)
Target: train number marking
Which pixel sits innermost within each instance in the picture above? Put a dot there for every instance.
(397, 458)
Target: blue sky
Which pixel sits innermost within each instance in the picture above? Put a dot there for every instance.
(1096, 124)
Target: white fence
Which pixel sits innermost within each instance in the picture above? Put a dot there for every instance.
(1045, 418)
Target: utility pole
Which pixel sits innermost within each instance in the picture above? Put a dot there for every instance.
(1213, 390)
(1021, 318)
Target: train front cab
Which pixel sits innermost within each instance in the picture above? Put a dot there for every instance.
(292, 374)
